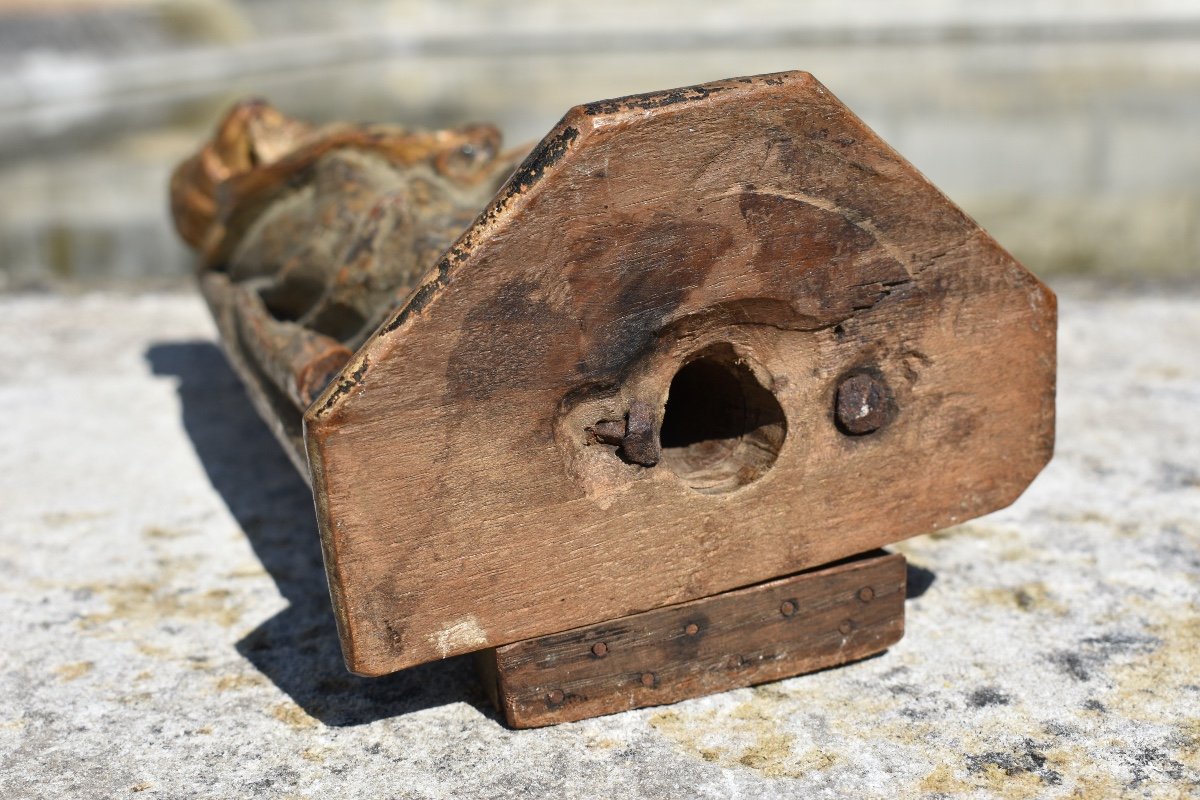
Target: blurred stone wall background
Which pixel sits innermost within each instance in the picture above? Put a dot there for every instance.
(1070, 129)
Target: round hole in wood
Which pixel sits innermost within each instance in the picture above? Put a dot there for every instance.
(721, 429)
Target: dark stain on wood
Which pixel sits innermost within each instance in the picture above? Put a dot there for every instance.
(628, 276)
(507, 342)
(821, 246)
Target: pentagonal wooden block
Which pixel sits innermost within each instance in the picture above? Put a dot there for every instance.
(701, 339)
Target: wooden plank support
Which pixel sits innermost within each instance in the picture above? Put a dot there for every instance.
(802, 623)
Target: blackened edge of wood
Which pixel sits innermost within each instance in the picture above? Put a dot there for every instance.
(652, 101)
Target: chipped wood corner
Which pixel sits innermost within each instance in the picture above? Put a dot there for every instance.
(691, 342)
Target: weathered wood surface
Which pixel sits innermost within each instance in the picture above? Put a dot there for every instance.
(469, 490)
(775, 630)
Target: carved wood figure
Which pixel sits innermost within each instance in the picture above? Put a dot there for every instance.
(629, 415)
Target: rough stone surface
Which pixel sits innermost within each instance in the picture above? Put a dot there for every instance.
(167, 631)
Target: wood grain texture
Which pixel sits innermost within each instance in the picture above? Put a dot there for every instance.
(473, 487)
(775, 630)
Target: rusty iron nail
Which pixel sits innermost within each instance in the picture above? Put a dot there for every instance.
(647, 679)
(635, 434)
(846, 627)
(640, 444)
(787, 608)
(599, 649)
(555, 697)
(866, 594)
(692, 629)
(608, 431)
(863, 404)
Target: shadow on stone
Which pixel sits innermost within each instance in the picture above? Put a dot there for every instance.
(918, 582)
(297, 648)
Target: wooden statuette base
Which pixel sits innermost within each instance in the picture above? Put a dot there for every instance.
(786, 627)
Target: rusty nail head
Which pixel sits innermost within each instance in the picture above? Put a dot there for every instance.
(599, 649)
(640, 444)
(787, 608)
(692, 629)
(866, 594)
(863, 404)
(636, 435)
(647, 679)
(846, 627)
(555, 697)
